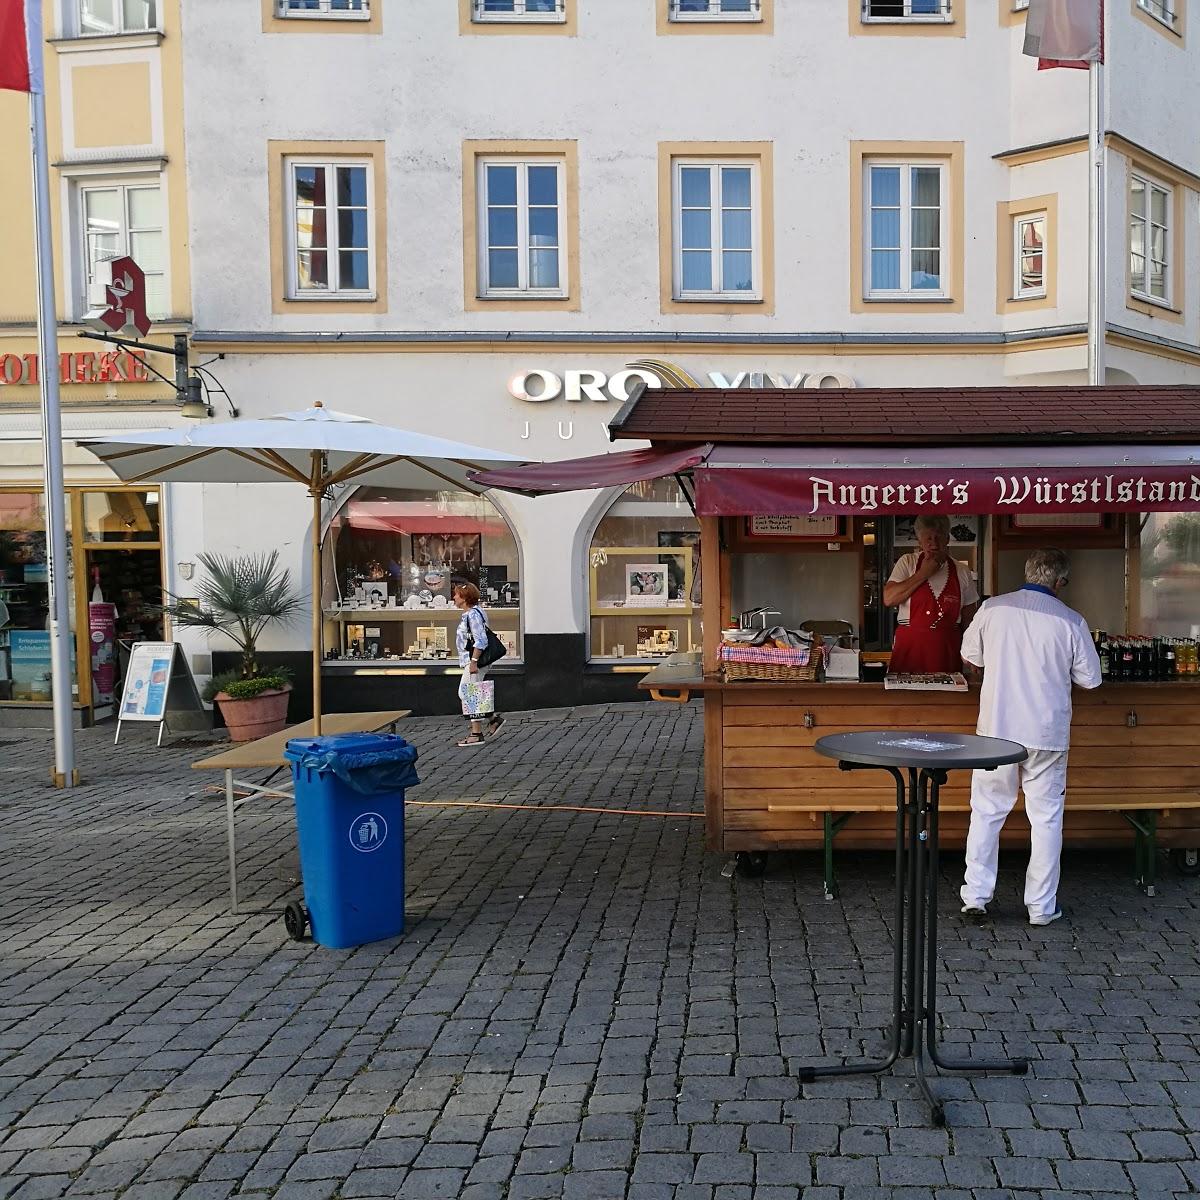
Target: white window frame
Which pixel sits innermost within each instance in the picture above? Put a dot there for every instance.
(1152, 185)
(1163, 11)
(323, 13)
(522, 163)
(76, 26)
(943, 16)
(557, 17)
(715, 13)
(1019, 291)
(89, 292)
(714, 165)
(908, 292)
(1020, 6)
(333, 292)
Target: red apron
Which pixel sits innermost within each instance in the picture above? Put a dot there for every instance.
(932, 639)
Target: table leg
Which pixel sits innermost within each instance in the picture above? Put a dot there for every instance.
(871, 1067)
(231, 835)
(910, 932)
(1017, 1066)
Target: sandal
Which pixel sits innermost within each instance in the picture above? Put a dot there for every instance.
(493, 729)
(472, 739)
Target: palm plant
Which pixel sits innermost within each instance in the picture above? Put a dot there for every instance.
(240, 598)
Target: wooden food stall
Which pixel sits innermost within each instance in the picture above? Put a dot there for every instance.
(804, 500)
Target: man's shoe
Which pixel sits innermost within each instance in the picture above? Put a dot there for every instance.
(1045, 919)
(973, 910)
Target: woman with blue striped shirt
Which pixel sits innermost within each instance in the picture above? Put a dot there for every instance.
(472, 631)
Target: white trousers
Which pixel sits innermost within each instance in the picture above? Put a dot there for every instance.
(1043, 779)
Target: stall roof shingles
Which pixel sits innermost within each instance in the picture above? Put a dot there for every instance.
(872, 416)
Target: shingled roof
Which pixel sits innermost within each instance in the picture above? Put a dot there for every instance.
(920, 416)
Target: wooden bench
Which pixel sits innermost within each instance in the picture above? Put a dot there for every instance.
(1140, 813)
(267, 754)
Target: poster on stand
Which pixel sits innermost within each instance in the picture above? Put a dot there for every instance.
(158, 687)
(102, 636)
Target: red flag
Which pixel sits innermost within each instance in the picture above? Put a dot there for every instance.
(21, 45)
(1065, 33)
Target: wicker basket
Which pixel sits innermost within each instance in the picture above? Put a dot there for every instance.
(774, 672)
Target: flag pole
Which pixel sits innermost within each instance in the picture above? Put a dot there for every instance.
(57, 550)
(1097, 232)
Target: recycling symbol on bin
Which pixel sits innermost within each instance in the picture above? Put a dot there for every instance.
(368, 831)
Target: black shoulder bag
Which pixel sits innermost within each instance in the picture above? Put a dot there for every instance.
(493, 651)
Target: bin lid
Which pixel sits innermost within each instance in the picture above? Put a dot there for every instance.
(345, 743)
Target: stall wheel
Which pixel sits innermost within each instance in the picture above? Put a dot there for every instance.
(295, 918)
(1187, 862)
(752, 863)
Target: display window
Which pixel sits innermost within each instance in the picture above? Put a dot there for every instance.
(644, 574)
(393, 558)
(1168, 576)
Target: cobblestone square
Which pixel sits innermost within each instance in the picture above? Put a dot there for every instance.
(582, 1005)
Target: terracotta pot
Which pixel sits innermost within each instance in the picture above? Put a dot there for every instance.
(250, 719)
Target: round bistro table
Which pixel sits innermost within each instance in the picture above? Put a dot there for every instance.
(917, 762)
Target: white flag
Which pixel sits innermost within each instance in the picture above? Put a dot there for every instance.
(1064, 31)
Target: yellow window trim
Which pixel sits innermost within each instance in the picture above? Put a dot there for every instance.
(763, 154)
(951, 153)
(956, 27)
(277, 154)
(1007, 211)
(1175, 34)
(1173, 311)
(470, 27)
(568, 152)
(272, 23)
(723, 27)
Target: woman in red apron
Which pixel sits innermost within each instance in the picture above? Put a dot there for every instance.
(933, 588)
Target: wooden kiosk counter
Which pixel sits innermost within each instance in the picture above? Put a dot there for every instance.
(807, 498)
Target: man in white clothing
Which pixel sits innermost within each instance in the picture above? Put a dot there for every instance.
(1032, 648)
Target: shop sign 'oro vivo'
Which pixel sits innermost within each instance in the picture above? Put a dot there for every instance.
(536, 385)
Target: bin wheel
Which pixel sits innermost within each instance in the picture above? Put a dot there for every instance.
(752, 863)
(295, 918)
(1187, 862)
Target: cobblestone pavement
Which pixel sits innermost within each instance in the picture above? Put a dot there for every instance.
(581, 1007)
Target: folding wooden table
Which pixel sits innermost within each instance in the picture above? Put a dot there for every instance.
(267, 754)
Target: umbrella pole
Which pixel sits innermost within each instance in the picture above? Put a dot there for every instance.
(317, 619)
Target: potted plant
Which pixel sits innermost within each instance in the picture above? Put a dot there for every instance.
(240, 598)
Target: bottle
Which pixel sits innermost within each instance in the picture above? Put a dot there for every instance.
(97, 593)
(1169, 664)
(1128, 660)
(1105, 660)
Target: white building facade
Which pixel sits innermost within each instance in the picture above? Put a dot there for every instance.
(485, 219)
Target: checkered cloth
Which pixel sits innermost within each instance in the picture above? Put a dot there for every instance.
(766, 654)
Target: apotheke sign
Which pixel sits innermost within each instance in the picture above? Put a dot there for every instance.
(88, 366)
(537, 385)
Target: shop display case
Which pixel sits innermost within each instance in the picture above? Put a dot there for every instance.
(641, 601)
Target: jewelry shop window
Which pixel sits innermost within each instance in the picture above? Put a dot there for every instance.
(644, 571)
(393, 558)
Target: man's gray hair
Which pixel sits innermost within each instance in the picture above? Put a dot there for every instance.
(938, 523)
(1047, 568)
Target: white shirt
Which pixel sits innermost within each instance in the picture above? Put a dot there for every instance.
(1032, 647)
(906, 568)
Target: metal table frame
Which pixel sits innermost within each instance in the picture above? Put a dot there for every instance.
(914, 955)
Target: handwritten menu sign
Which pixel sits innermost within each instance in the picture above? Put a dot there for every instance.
(773, 526)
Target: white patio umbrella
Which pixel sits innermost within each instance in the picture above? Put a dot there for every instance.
(316, 448)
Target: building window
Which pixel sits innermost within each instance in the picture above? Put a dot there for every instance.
(1029, 244)
(397, 556)
(118, 219)
(331, 250)
(1020, 5)
(906, 10)
(1149, 239)
(117, 16)
(715, 231)
(905, 229)
(518, 10)
(1161, 10)
(715, 10)
(521, 227)
(337, 10)
(644, 571)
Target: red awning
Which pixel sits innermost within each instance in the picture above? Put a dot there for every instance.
(601, 470)
(751, 480)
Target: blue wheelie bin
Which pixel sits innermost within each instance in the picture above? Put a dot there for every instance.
(349, 791)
